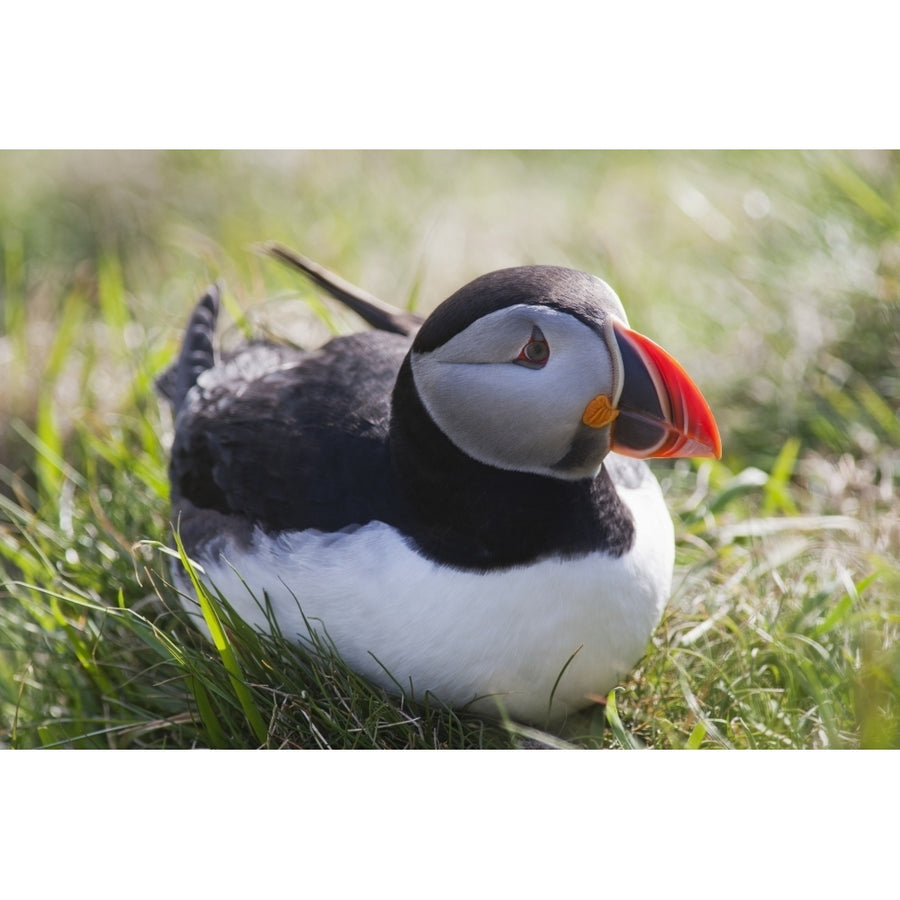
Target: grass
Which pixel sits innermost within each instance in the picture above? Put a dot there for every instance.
(773, 276)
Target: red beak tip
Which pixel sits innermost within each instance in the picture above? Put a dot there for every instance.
(688, 428)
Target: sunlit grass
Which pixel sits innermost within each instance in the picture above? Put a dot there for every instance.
(779, 293)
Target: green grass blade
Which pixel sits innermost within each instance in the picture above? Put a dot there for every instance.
(625, 738)
(777, 491)
(223, 646)
(697, 735)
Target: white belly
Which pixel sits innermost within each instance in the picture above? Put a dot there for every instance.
(463, 635)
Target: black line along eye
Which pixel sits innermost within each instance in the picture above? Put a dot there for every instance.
(536, 352)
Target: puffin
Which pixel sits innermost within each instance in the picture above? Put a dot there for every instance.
(459, 506)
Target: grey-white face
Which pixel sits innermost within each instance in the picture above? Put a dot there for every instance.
(511, 389)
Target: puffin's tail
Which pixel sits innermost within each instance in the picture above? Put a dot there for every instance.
(376, 312)
(197, 351)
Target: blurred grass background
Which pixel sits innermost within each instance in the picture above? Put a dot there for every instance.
(774, 277)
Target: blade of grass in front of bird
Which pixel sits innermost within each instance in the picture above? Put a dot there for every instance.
(625, 738)
(208, 716)
(223, 646)
(562, 672)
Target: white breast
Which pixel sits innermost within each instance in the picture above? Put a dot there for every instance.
(459, 634)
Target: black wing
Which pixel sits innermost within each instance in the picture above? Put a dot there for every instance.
(291, 440)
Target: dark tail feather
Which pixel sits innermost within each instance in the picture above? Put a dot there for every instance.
(378, 314)
(197, 351)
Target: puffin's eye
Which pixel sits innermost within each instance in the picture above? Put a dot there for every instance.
(536, 352)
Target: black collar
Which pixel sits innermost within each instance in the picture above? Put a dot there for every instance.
(464, 513)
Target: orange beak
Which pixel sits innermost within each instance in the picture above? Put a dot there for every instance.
(661, 412)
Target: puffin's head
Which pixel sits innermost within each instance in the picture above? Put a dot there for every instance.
(535, 369)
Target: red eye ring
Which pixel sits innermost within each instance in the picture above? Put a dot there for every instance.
(536, 352)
